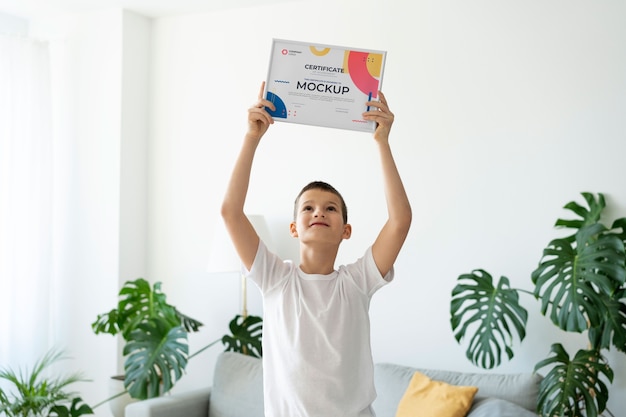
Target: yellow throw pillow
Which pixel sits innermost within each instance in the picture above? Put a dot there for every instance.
(428, 398)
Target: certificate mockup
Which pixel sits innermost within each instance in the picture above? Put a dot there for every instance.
(323, 85)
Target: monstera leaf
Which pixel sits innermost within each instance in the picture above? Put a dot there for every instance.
(246, 336)
(587, 216)
(493, 312)
(138, 303)
(573, 282)
(612, 328)
(574, 387)
(157, 358)
(620, 224)
(75, 409)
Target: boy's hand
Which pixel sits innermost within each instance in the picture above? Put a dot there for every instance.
(379, 112)
(259, 120)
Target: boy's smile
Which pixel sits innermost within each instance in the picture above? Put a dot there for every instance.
(318, 223)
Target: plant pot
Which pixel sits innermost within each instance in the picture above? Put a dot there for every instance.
(118, 404)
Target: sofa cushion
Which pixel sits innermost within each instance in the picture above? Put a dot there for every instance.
(437, 397)
(237, 386)
(490, 407)
(392, 380)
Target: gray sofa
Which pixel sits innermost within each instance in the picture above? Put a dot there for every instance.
(237, 391)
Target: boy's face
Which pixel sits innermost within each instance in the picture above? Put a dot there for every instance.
(319, 218)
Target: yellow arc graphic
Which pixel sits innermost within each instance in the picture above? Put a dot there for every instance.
(317, 52)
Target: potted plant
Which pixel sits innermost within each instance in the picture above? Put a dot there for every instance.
(155, 334)
(580, 282)
(35, 394)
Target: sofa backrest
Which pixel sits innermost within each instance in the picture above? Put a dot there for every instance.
(237, 389)
(392, 381)
(238, 386)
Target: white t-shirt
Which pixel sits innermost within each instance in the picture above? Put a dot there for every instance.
(317, 359)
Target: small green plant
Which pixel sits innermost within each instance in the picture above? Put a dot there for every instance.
(34, 394)
(155, 332)
(581, 285)
(246, 336)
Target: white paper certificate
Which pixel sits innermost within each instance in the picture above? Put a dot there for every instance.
(323, 85)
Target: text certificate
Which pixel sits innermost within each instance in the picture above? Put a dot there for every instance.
(323, 85)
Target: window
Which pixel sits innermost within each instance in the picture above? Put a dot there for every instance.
(26, 209)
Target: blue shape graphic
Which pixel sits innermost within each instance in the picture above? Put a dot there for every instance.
(281, 109)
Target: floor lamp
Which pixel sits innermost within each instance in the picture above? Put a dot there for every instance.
(224, 259)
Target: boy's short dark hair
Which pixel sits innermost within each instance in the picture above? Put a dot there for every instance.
(320, 185)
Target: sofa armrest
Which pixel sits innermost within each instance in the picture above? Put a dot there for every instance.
(184, 404)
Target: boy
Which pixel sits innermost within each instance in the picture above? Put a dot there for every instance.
(317, 358)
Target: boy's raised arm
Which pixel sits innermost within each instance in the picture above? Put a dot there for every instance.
(391, 237)
(241, 231)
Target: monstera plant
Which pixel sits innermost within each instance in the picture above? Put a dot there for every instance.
(155, 334)
(580, 283)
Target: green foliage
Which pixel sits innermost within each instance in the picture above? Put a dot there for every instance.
(588, 216)
(576, 280)
(156, 338)
(612, 327)
(572, 386)
(157, 349)
(580, 282)
(75, 409)
(138, 303)
(157, 357)
(493, 310)
(34, 394)
(246, 336)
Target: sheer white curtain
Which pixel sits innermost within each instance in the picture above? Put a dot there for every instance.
(26, 156)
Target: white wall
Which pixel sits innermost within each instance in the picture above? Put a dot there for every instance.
(13, 25)
(504, 113)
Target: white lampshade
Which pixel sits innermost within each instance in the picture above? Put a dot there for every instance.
(223, 257)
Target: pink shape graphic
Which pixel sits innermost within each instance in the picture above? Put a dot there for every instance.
(362, 79)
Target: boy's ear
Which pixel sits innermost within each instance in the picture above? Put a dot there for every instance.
(292, 229)
(347, 231)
